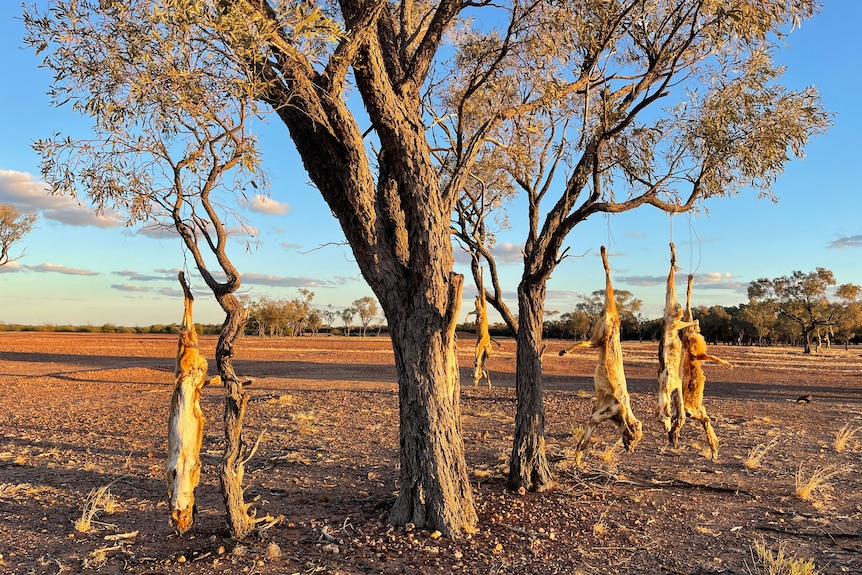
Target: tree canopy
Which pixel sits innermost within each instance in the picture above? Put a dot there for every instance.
(801, 297)
(13, 227)
(608, 105)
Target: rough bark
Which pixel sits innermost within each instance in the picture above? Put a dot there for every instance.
(434, 485)
(396, 217)
(528, 468)
(240, 517)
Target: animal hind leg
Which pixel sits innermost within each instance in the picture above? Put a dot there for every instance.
(479, 369)
(632, 430)
(701, 416)
(599, 415)
(677, 417)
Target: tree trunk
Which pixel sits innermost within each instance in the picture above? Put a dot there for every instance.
(434, 491)
(240, 521)
(528, 468)
(806, 339)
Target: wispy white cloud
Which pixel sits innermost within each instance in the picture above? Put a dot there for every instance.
(642, 281)
(160, 275)
(131, 288)
(505, 253)
(264, 205)
(290, 246)
(32, 196)
(48, 267)
(509, 253)
(10, 267)
(287, 281)
(163, 230)
(706, 281)
(846, 242)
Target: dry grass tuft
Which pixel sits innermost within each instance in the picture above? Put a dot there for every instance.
(568, 461)
(98, 500)
(765, 562)
(285, 400)
(610, 455)
(305, 422)
(757, 453)
(818, 483)
(843, 437)
(599, 527)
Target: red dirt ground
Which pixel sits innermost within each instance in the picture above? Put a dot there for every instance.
(84, 411)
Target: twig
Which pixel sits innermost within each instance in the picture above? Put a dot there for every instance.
(253, 449)
(809, 533)
(524, 532)
(683, 483)
(119, 536)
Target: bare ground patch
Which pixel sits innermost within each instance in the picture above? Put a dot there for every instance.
(81, 412)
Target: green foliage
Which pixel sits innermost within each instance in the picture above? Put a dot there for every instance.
(13, 227)
(367, 309)
(286, 316)
(799, 297)
(614, 105)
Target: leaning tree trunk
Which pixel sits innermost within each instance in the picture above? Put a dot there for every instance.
(528, 468)
(434, 489)
(241, 521)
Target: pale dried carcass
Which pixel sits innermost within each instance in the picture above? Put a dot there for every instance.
(612, 396)
(186, 421)
(483, 338)
(693, 378)
(671, 405)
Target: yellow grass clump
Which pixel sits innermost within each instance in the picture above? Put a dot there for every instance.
(817, 484)
(758, 452)
(843, 437)
(98, 500)
(765, 562)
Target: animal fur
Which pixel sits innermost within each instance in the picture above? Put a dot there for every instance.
(691, 372)
(671, 405)
(483, 339)
(186, 421)
(612, 396)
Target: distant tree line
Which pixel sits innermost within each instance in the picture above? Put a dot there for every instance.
(791, 310)
(292, 317)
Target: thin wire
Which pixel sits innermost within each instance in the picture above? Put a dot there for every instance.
(693, 232)
(670, 226)
(185, 250)
(610, 233)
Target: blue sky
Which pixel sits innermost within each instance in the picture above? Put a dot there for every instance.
(83, 270)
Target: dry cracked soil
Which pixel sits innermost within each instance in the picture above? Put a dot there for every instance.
(83, 412)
